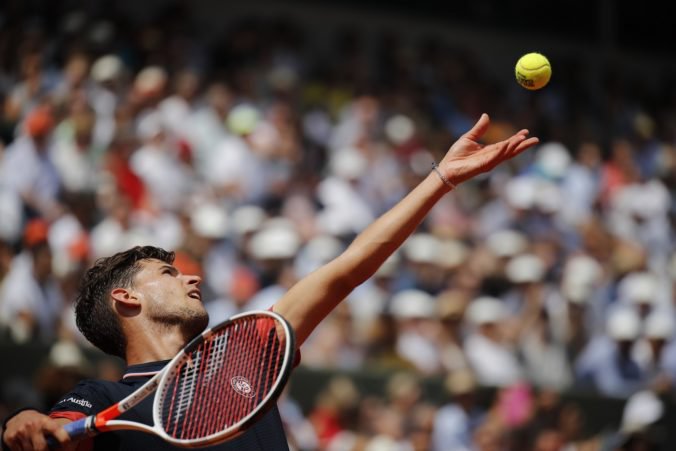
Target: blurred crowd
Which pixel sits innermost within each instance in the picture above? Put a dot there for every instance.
(257, 155)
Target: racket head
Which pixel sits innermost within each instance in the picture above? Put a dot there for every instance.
(224, 380)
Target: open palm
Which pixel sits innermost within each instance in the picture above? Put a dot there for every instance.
(467, 157)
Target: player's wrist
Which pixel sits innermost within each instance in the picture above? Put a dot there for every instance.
(449, 185)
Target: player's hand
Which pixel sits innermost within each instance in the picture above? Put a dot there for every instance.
(467, 158)
(28, 431)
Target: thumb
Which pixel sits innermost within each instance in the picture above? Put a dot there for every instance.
(479, 128)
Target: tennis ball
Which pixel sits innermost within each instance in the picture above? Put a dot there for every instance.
(533, 71)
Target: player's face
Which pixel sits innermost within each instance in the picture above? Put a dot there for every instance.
(169, 297)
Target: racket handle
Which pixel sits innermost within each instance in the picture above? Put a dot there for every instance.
(75, 429)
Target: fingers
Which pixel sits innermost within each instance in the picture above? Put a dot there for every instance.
(17, 440)
(513, 146)
(28, 431)
(38, 442)
(479, 128)
(523, 145)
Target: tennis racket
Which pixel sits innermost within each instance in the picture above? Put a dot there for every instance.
(220, 384)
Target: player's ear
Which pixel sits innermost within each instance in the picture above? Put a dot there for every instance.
(124, 297)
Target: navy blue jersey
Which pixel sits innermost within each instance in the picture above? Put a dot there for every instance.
(92, 396)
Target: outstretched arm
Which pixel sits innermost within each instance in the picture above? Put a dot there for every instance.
(315, 296)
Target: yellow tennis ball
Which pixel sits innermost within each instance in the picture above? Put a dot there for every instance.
(533, 71)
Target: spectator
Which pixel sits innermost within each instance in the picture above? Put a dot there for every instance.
(28, 169)
(490, 354)
(206, 144)
(31, 300)
(456, 421)
(607, 363)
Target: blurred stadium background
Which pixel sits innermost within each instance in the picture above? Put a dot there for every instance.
(534, 310)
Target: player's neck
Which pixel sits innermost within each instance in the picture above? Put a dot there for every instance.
(149, 344)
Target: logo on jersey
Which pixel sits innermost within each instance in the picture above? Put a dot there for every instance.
(79, 402)
(242, 386)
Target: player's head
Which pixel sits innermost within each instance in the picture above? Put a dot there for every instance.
(138, 283)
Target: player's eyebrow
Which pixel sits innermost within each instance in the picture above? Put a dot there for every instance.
(172, 269)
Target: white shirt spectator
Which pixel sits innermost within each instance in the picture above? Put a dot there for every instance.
(452, 429)
(76, 167)
(265, 298)
(11, 212)
(345, 211)
(495, 364)
(21, 292)
(234, 166)
(166, 178)
(25, 170)
(494, 361)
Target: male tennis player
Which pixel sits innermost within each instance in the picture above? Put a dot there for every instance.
(137, 306)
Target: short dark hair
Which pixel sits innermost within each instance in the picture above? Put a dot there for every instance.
(94, 314)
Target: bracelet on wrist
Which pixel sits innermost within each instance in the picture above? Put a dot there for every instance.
(435, 168)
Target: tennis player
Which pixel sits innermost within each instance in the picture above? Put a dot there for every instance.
(138, 306)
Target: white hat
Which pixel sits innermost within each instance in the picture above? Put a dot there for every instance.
(107, 68)
(399, 129)
(243, 119)
(520, 192)
(274, 242)
(642, 409)
(412, 303)
(323, 248)
(318, 251)
(451, 254)
(623, 324)
(247, 218)
(582, 270)
(485, 310)
(553, 159)
(659, 324)
(548, 197)
(209, 220)
(420, 162)
(638, 287)
(150, 79)
(525, 268)
(66, 353)
(348, 163)
(645, 201)
(506, 243)
(422, 248)
(575, 292)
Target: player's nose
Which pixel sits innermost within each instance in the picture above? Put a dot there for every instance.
(193, 280)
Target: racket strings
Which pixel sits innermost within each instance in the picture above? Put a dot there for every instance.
(222, 380)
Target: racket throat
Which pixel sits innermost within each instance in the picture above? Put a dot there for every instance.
(94, 426)
(99, 422)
